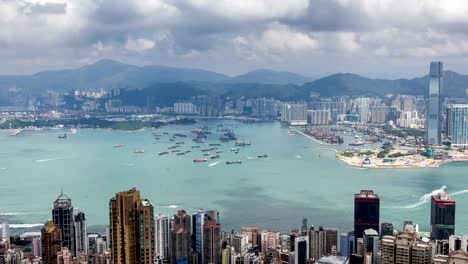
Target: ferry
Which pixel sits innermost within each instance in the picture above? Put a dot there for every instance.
(200, 160)
(233, 162)
(215, 156)
(139, 151)
(262, 156)
(163, 153)
(119, 145)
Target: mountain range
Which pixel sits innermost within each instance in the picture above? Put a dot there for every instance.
(109, 74)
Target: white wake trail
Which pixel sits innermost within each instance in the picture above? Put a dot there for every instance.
(214, 163)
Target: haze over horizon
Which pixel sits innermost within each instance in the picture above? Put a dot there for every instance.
(310, 37)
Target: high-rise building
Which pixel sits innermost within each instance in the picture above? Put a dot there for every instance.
(458, 243)
(131, 228)
(180, 243)
(36, 245)
(371, 244)
(81, 235)
(162, 237)
(344, 245)
(301, 253)
(442, 216)
(294, 113)
(269, 240)
(434, 105)
(198, 221)
(51, 242)
(63, 217)
(366, 212)
(405, 248)
(331, 241)
(211, 253)
(457, 125)
(6, 234)
(316, 243)
(386, 229)
(251, 233)
(64, 256)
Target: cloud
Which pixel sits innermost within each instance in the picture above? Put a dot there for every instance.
(139, 45)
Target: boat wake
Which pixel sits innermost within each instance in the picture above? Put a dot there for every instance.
(46, 160)
(24, 225)
(299, 157)
(250, 157)
(459, 192)
(9, 214)
(173, 206)
(215, 163)
(425, 198)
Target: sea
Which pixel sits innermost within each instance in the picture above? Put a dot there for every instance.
(299, 179)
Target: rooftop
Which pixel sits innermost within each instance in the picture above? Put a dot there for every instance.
(366, 194)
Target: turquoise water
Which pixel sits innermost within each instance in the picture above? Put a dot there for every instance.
(299, 179)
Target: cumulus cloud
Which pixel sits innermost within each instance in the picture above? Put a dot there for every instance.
(233, 36)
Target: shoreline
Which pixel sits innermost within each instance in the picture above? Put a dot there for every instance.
(312, 138)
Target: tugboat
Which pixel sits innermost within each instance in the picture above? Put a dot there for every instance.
(200, 160)
(233, 162)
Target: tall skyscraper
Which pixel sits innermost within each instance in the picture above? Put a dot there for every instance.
(51, 242)
(63, 217)
(162, 237)
(198, 221)
(211, 243)
(434, 114)
(6, 234)
(301, 253)
(81, 234)
(457, 125)
(366, 212)
(131, 228)
(442, 216)
(386, 229)
(180, 239)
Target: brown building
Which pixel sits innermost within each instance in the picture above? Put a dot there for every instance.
(131, 228)
(211, 243)
(51, 242)
(180, 238)
(252, 234)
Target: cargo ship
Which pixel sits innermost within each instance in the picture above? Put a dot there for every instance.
(139, 151)
(233, 162)
(262, 156)
(215, 157)
(163, 153)
(200, 160)
(119, 145)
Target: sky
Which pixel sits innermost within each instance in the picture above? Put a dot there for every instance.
(379, 38)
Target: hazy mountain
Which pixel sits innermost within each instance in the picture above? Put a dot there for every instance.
(265, 76)
(107, 74)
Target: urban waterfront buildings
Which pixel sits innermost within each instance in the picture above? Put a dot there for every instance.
(131, 228)
(434, 105)
(294, 113)
(442, 216)
(457, 125)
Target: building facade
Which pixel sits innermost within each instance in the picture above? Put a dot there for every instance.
(434, 105)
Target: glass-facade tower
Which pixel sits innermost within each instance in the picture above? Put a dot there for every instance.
(457, 125)
(434, 105)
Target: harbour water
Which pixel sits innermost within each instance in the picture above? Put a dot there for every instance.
(299, 179)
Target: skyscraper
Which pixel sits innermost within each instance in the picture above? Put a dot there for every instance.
(457, 125)
(131, 228)
(180, 239)
(81, 234)
(198, 221)
(63, 217)
(6, 234)
(442, 216)
(434, 105)
(162, 236)
(366, 212)
(51, 242)
(301, 253)
(211, 243)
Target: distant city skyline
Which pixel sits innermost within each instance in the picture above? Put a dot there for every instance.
(309, 37)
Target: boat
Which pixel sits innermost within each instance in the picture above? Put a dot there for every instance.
(171, 139)
(139, 151)
(163, 153)
(119, 145)
(215, 144)
(242, 143)
(357, 143)
(206, 149)
(64, 136)
(234, 162)
(196, 146)
(215, 156)
(206, 154)
(187, 151)
(200, 160)
(219, 151)
(234, 149)
(180, 135)
(181, 153)
(157, 138)
(165, 133)
(179, 143)
(262, 156)
(176, 150)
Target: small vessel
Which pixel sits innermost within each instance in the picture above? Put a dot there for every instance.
(234, 149)
(262, 156)
(163, 153)
(207, 149)
(219, 151)
(157, 138)
(195, 146)
(200, 160)
(179, 143)
(171, 139)
(140, 151)
(215, 144)
(234, 162)
(165, 133)
(206, 154)
(64, 136)
(175, 150)
(357, 143)
(187, 151)
(119, 145)
(215, 157)
(181, 153)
